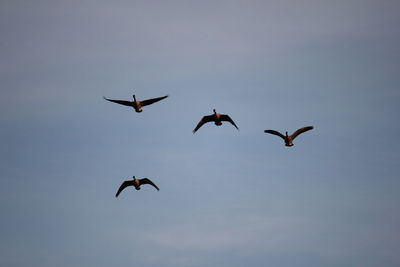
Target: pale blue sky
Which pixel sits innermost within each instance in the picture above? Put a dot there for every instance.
(227, 197)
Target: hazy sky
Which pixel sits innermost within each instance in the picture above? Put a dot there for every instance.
(227, 197)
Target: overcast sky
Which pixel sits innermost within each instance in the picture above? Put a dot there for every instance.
(227, 197)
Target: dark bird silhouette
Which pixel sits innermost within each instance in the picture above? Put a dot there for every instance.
(217, 118)
(137, 105)
(136, 183)
(289, 138)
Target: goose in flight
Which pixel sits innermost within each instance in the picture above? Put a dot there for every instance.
(217, 118)
(136, 183)
(289, 138)
(137, 105)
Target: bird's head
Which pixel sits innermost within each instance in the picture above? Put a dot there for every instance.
(134, 97)
(214, 110)
(287, 133)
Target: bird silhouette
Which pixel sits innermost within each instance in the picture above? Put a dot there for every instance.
(289, 138)
(136, 183)
(217, 118)
(137, 105)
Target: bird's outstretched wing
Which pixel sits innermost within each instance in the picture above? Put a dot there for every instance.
(275, 133)
(148, 181)
(225, 117)
(123, 185)
(205, 119)
(122, 102)
(301, 130)
(152, 100)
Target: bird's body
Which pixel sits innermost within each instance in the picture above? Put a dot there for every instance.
(137, 105)
(135, 183)
(289, 138)
(217, 118)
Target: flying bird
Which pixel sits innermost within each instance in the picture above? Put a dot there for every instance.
(289, 138)
(137, 105)
(217, 118)
(136, 183)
